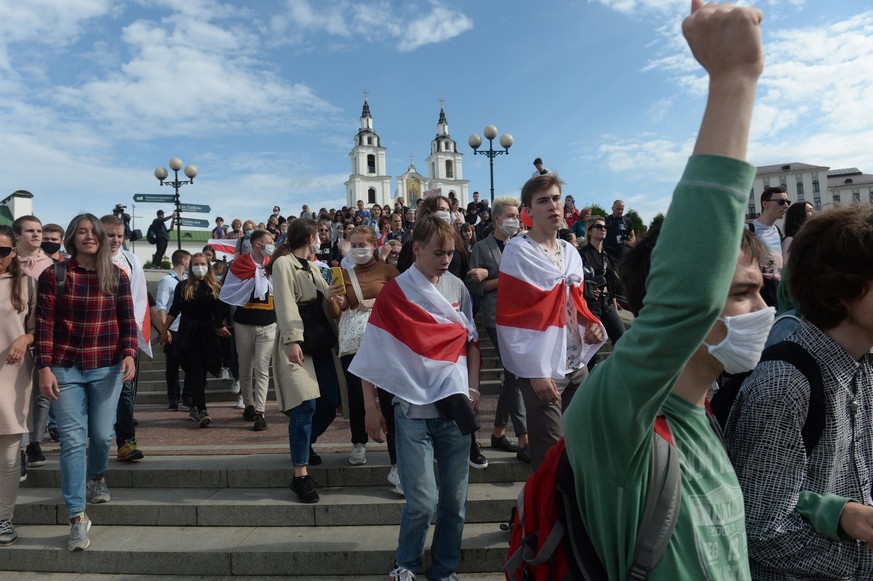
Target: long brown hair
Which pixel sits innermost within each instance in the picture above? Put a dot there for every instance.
(107, 278)
(192, 282)
(19, 303)
(299, 234)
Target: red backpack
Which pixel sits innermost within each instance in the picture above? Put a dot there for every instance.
(549, 541)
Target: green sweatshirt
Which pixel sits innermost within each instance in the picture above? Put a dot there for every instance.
(610, 424)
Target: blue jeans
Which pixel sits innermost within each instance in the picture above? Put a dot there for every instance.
(418, 442)
(85, 410)
(311, 418)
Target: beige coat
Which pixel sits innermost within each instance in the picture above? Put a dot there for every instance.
(16, 381)
(292, 285)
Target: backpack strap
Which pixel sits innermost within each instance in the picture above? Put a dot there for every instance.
(60, 280)
(662, 502)
(796, 355)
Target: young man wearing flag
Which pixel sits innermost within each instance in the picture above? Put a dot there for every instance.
(248, 287)
(545, 330)
(421, 346)
(125, 429)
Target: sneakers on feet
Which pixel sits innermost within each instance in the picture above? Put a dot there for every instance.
(7, 533)
(314, 458)
(394, 480)
(452, 577)
(503, 443)
(54, 434)
(523, 453)
(79, 540)
(260, 423)
(174, 406)
(234, 387)
(194, 414)
(225, 373)
(128, 452)
(23, 461)
(249, 413)
(304, 488)
(401, 574)
(98, 491)
(358, 455)
(240, 404)
(34, 455)
(204, 419)
(477, 459)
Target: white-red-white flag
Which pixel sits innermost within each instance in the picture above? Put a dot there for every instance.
(531, 312)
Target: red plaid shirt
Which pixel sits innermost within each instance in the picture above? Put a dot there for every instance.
(88, 328)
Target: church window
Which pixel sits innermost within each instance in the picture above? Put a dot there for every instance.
(369, 141)
(371, 163)
(371, 196)
(450, 174)
(856, 195)
(800, 196)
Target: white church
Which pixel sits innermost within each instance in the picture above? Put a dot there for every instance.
(370, 182)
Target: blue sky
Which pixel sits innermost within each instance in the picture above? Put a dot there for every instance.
(265, 97)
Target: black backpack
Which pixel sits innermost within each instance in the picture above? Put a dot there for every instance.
(794, 354)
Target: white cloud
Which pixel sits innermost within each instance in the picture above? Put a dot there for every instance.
(410, 26)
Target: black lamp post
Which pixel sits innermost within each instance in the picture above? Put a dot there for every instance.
(490, 133)
(190, 171)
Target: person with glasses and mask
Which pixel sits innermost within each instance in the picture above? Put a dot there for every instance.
(482, 282)
(600, 281)
(774, 204)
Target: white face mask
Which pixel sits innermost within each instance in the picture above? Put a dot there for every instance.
(199, 271)
(444, 216)
(268, 250)
(509, 227)
(361, 255)
(741, 348)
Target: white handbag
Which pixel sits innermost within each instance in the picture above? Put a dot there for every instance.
(353, 322)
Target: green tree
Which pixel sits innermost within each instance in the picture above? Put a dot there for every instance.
(657, 220)
(596, 210)
(639, 226)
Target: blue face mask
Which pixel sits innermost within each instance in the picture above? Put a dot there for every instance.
(249, 233)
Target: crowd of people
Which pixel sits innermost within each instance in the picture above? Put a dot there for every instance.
(381, 302)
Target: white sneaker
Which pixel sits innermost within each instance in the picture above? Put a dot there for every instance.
(98, 491)
(234, 387)
(240, 404)
(394, 480)
(401, 574)
(225, 373)
(358, 455)
(79, 540)
(452, 577)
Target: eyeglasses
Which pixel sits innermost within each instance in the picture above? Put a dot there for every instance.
(598, 227)
(781, 202)
(5, 251)
(323, 230)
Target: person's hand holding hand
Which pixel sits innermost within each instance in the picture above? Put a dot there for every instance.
(545, 389)
(856, 520)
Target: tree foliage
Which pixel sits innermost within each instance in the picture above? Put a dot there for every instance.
(657, 220)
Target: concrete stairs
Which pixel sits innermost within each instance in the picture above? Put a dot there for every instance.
(232, 516)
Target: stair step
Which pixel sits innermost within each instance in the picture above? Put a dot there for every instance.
(236, 550)
(29, 576)
(264, 507)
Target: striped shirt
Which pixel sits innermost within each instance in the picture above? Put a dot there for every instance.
(87, 328)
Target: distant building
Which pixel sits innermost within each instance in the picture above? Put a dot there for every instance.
(816, 184)
(369, 180)
(15, 205)
(445, 164)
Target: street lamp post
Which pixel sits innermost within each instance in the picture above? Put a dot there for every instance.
(490, 133)
(190, 171)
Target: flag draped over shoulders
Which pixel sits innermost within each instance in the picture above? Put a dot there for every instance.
(140, 296)
(245, 278)
(531, 312)
(415, 345)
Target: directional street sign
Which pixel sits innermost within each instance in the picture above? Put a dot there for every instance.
(199, 208)
(154, 198)
(194, 223)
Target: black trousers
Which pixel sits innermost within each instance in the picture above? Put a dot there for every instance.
(160, 250)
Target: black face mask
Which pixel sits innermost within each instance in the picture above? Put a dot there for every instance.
(50, 247)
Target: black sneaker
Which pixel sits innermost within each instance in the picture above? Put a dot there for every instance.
(304, 488)
(260, 423)
(54, 434)
(477, 460)
(34, 455)
(249, 413)
(174, 406)
(23, 476)
(187, 402)
(523, 453)
(314, 459)
(503, 443)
